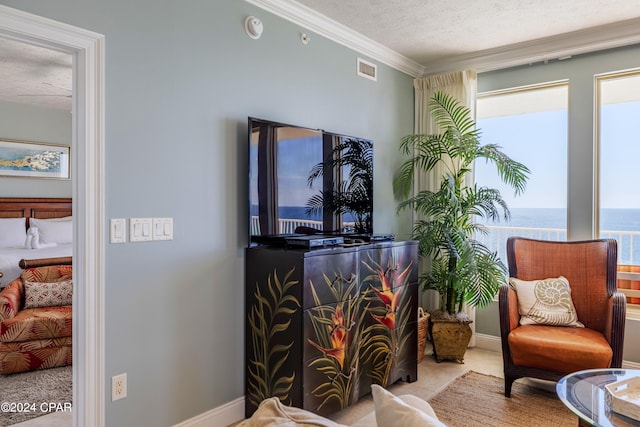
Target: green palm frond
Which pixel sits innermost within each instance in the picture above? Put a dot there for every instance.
(449, 114)
(446, 223)
(512, 173)
(265, 376)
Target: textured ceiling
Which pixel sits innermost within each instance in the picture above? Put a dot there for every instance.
(427, 31)
(34, 75)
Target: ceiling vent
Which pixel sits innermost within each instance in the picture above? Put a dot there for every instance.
(367, 69)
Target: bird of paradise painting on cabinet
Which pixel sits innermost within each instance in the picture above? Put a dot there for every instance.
(335, 334)
(388, 336)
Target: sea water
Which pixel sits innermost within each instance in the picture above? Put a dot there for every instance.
(622, 225)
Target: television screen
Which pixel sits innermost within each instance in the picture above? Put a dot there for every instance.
(305, 181)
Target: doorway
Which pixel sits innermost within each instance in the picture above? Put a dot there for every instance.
(87, 50)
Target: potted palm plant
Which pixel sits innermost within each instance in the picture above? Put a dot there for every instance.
(462, 269)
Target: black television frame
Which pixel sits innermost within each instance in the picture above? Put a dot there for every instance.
(267, 184)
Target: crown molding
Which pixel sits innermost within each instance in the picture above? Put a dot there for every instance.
(561, 46)
(308, 18)
(608, 36)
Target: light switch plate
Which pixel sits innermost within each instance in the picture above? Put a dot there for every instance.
(140, 229)
(118, 230)
(162, 228)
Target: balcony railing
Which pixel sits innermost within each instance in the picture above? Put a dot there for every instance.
(628, 251)
(496, 240)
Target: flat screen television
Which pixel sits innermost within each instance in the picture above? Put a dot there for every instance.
(308, 181)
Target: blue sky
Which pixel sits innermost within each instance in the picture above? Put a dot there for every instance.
(539, 140)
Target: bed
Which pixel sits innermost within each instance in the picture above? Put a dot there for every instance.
(53, 215)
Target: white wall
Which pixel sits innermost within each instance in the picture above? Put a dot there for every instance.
(181, 80)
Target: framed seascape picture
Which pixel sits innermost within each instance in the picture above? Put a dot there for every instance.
(35, 160)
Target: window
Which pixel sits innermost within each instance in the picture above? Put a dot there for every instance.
(618, 100)
(530, 124)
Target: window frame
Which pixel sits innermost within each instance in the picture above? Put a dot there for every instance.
(565, 83)
(633, 310)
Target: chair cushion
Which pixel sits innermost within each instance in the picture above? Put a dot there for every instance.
(37, 324)
(559, 348)
(545, 302)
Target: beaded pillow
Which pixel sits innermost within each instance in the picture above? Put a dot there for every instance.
(47, 294)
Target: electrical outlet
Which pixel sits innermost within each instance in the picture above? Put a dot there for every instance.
(118, 387)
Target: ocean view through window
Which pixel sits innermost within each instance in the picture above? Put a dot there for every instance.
(618, 107)
(530, 124)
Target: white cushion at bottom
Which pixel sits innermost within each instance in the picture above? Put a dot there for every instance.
(392, 411)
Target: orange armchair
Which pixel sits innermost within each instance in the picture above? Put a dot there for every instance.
(551, 352)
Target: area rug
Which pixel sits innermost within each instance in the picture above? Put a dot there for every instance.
(478, 400)
(33, 394)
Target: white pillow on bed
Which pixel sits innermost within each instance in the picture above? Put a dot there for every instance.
(54, 230)
(13, 232)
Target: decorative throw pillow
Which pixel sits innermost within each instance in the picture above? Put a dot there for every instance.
(545, 302)
(392, 411)
(47, 294)
(13, 232)
(273, 413)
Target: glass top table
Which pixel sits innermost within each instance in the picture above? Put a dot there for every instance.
(583, 392)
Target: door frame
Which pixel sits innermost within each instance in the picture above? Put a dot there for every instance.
(87, 49)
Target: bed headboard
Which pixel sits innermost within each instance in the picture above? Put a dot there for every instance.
(31, 207)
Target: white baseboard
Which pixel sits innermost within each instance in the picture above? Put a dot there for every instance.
(488, 342)
(222, 416)
(630, 365)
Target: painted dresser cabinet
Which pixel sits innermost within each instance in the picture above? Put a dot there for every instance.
(322, 325)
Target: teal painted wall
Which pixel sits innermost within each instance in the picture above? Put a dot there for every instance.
(181, 79)
(580, 71)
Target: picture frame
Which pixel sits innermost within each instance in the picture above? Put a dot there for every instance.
(34, 159)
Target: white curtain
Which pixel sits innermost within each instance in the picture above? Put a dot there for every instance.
(461, 85)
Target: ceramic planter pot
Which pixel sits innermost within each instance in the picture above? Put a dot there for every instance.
(450, 338)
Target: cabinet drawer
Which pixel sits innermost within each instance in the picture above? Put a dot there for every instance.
(330, 279)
